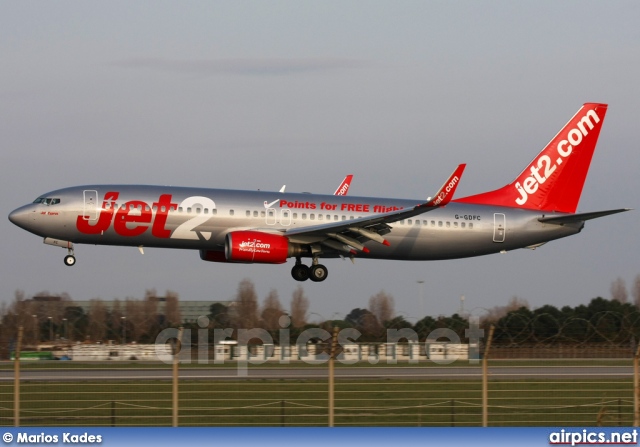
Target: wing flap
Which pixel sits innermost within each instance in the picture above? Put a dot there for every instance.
(374, 226)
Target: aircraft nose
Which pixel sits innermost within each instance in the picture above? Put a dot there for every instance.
(21, 216)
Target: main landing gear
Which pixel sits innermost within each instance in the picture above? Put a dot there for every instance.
(317, 272)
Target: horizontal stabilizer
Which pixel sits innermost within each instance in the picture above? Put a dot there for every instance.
(575, 218)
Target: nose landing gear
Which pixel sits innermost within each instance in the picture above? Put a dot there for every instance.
(70, 259)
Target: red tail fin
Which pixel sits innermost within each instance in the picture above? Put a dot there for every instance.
(553, 181)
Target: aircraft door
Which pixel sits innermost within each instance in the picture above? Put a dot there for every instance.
(272, 216)
(285, 217)
(499, 227)
(90, 205)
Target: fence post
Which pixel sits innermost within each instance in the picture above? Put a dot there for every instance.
(282, 413)
(16, 381)
(331, 375)
(177, 347)
(453, 413)
(485, 379)
(636, 389)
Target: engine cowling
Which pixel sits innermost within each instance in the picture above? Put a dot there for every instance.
(256, 247)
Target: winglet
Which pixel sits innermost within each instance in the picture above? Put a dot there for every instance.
(445, 193)
(344, 186)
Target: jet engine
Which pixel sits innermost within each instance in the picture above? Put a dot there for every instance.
(252, 247)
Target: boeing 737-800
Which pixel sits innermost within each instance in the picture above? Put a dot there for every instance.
(270, 227)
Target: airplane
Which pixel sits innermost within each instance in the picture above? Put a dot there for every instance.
(342, 190)
(234, 226)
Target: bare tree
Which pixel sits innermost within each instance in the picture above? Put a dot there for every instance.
(497, 312)
(619, 290)
(271, 311)
(117, 321)
(134, 319)
(636, 290)
(381, 305)
(172, 309)
(299, 308)
(150, 311)
(97, 320)
(246, 305)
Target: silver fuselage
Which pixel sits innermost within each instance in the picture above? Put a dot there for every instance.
(199, 219)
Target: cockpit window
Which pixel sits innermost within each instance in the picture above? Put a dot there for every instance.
(47, 200)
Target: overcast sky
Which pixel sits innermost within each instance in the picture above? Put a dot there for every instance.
(252, 95)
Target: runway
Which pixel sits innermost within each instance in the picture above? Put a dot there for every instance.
(320, 372)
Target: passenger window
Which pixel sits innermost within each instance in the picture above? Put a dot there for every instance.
(189, 210)
(231, 212)
(262, 214)
(409, 222)
(255, 214)
(312, 216)
(462, 224)
(470, 225)
(295, 215)
(455, 225)
(319, 216)
(214, 211)
(448, 224)
(248, 213)
(304, 216)
(439, 223)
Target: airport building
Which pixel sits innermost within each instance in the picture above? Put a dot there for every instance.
(189, 310)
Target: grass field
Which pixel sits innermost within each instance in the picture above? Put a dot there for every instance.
(304, 403)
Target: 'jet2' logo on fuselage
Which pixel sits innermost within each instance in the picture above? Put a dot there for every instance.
(135, 217)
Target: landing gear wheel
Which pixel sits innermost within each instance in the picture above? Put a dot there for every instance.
(318, 273)
(300, 272)
(69, 260)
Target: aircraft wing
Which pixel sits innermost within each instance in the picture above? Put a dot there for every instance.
(351, 234)
(576, 218)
